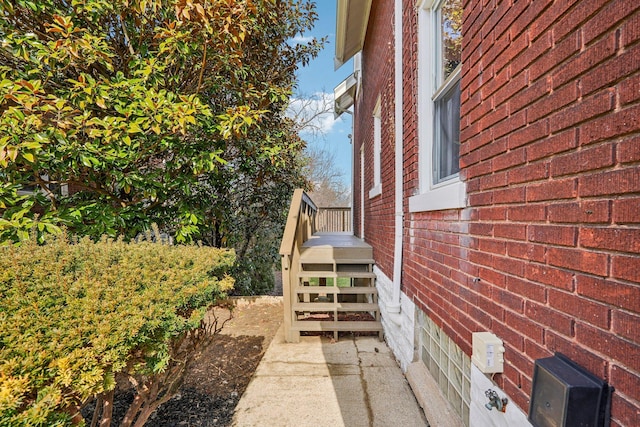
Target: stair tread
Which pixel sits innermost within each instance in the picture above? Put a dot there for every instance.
(334, 274)
(330, 325)
(336, 290)
(340, 306)
(330, 260)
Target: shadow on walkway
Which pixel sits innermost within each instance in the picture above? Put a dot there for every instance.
(317, 382)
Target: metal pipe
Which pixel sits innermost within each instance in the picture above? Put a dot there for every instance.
(394, 307)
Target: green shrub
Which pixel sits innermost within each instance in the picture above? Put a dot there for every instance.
(76, 314)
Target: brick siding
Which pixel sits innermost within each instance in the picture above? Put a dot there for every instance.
(550, 129)
(547, 253)
(378, 78)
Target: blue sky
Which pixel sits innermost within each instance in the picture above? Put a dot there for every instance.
(319, 79)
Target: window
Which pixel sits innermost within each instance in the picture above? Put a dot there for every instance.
(447, 363)
(439, 64)
(54, 187)
(377, 149)
(446, 147)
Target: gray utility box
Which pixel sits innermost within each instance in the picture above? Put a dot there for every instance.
(563, 394)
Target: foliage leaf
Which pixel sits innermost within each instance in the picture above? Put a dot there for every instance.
(75, 314)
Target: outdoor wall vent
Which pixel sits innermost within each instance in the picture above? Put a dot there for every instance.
(564, 394)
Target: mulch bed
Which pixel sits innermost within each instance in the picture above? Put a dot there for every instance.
(218, 378)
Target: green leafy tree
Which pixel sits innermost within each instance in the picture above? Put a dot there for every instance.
(123, 113)
(452, 14)
(245, 201)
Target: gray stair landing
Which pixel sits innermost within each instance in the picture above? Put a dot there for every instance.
(341, 247)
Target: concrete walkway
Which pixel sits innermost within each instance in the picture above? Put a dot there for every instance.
(353, 382)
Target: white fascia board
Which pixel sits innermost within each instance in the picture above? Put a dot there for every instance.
(352, 18)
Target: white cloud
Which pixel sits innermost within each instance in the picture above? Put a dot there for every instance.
(300, 39)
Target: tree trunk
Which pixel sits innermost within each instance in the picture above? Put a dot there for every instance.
(97, 411)
(135, 406)
(107, 409)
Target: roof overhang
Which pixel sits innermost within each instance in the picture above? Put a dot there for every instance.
(344, 95)
(352, 17)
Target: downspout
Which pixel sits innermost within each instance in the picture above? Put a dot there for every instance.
(393, 308)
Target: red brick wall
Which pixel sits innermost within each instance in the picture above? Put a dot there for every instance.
(437, 272)
(410, 101)
(547, 253)
(378, 79)
(551, 155)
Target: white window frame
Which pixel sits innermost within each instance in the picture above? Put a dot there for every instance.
(63, 190)
(376, 189)
(451, 193)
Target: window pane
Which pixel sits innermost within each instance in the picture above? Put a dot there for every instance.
(447, 141)
(451, 33)
(377, 143)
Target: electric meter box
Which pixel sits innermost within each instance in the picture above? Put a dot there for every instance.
(488, 352)
(564, 394)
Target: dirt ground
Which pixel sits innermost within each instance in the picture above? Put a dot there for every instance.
(215, 382)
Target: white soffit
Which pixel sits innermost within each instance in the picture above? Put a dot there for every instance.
(352, 17)
(344, 95)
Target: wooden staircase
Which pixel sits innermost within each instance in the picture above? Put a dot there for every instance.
(335, 287)
(328, 279)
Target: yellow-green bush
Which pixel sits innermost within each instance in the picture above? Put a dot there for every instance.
(75, 314)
